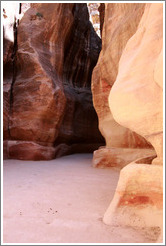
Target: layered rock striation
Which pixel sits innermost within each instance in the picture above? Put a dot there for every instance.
(50, 97)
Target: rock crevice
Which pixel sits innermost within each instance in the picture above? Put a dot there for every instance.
(14, 62)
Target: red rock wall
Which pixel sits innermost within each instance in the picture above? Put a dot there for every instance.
(50, 78)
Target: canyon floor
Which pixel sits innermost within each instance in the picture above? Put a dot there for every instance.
(61, 201)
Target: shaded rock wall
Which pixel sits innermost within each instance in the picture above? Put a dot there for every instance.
(120, 23)
(52, 77)
(10, 14)
(101, 16)
(81, 53)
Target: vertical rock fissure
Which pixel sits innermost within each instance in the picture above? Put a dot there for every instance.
(101, 16)
(14, 59)
(14, 71)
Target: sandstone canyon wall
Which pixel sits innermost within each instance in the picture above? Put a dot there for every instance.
(128, 94)
(141, 101)
(120, 23)
(48, 109)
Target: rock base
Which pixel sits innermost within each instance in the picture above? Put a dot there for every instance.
(138, 200)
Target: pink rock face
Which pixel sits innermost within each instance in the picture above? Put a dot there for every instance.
(120, 23)
(136, 102)
(112, 157)
(139, 81)
(138, 200)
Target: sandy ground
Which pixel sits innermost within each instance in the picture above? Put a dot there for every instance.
(60, 201)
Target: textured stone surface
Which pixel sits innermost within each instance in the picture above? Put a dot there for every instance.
(49, 97)
(18, 150)
(120, 23)
(101, 16)
(80, 123)
(136, 102)
(38, 100)
(10, 14)
(138, 200)
(112, 157)
(5, 150)
(140, 107)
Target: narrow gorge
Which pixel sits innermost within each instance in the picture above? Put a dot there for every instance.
(83, 87)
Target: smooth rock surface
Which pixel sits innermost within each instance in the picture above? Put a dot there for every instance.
(119, 157)
(138, 199)
(140, 107)
(120, 23)
(136, 102)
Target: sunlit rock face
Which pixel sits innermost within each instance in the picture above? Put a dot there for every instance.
(135, 100)
(139, 83)
(120, 23)
(50, 97)
(138, 200)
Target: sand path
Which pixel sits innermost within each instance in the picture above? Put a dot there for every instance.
(60, 201)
